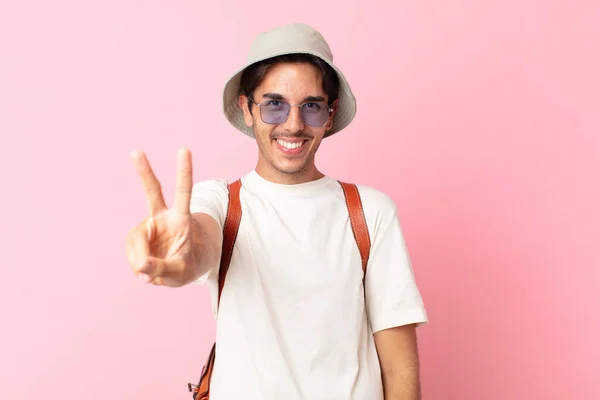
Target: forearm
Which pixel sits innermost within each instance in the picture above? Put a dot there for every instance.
(399, 361)
(206, 247)
(402, 385)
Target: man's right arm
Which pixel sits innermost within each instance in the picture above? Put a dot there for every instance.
(207, 242)
(208, 206)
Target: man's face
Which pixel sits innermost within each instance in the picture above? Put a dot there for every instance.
(288, 147)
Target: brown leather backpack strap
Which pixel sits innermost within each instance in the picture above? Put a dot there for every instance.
(358, 222)
(230, 230)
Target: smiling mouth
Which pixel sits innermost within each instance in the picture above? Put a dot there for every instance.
(291, 144)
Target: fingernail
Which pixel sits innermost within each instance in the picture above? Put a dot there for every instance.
(144, 278)
(144, 266)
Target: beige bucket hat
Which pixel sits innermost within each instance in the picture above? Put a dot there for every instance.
(288, 39)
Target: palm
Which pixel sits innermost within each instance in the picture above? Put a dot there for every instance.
(170, 235)
(167, 231)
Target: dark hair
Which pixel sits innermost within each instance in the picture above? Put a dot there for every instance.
(254, 74)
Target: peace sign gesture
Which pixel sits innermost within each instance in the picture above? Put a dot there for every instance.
(161, 249)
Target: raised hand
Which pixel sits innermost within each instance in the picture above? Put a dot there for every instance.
(160, 249)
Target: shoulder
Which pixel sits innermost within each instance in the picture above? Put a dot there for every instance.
(379, 208)
(376, 201)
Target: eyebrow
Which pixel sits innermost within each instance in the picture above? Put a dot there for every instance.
(277, 96)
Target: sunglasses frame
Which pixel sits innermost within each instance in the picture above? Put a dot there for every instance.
(259, 105)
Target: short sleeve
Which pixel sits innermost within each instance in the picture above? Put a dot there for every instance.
(210, 197)
(392, 296)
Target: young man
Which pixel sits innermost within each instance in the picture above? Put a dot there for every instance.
(296, 320)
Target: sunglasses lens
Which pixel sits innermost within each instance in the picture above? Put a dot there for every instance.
(315, 114)
(276, 112)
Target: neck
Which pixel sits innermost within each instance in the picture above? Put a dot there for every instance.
(307, 174)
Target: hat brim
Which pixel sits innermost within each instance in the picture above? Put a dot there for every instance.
(234, 114)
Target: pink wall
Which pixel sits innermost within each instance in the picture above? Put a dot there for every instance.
(479, 118)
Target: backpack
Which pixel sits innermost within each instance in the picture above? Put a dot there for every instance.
(201, 391)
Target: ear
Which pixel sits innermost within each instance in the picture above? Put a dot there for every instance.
(329, 124)
(245, 106)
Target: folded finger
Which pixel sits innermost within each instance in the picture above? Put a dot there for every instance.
(138, 247)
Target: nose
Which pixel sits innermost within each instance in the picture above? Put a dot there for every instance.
(294, 121)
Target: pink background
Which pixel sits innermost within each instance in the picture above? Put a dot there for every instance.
(479, 118)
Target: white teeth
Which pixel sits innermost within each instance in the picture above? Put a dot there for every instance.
(289, 145)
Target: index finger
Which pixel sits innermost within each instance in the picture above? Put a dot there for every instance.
(154, 195)
(184, 183)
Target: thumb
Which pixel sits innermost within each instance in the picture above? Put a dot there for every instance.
(146, 269)
(154, 270)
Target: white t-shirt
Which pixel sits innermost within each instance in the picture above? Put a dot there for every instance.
(294, 322)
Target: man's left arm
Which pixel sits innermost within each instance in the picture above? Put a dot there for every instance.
(399, 361)
(393, 300)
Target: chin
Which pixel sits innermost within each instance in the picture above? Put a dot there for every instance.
(290, 168)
